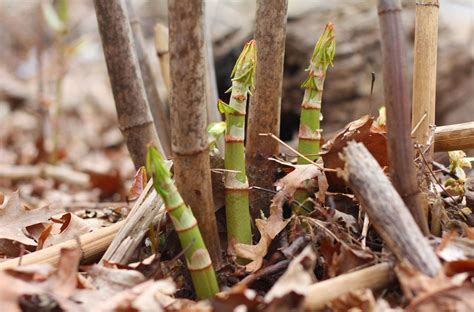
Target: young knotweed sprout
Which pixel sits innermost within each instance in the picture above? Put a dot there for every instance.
(235, 178)
(310, 132)
(458, 161)
(198, 260)
(309, 136)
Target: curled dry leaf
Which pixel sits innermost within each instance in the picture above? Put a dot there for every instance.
(147, 296)
(440, 293)
(238, 295)
(14, 219)
(68, 227)
(364, 130)
(452, 268)
(138, 184)
(274, 224)
(297, 278)
(453, 248)
(149, 267)
(298, 179)
(360, 300)
(41, 279)
(269, 229)
(341, 258)
(109, 281)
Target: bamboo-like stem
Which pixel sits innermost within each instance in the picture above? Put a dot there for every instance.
(374, 277)
(162, 51)
(264, 109)
(133, 113)
(424, 69)
(92, 245)
(400, 146)
(157, 106)
(309, 135)
(235, 178)
(189, 117)
(387, 212)
(198, 259)
(147, 209)
(454, 137)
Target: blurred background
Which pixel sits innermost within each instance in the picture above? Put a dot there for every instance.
(55, 93)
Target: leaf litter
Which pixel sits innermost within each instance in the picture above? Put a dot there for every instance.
(291, 253)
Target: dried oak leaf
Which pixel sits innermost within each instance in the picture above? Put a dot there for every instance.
(147, 296)
(297, 278)
(238, 295)
(68, 227)
(297, 179)
(14, 219)
(364, 130)
(274, 224)
(454, 248)
(58, 284)
(110, 281)
(440, 293)
(341, 258)
(359, 300)
(269, 229)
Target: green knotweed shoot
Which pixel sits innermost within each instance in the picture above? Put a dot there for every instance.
(310, 132)
(235, 178)
(197, 257)
(309, 136)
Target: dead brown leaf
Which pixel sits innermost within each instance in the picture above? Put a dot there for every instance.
(41, 279)
(297, 278)
(147, 296)
(364, 130)
(237, 296)
(300, 178)
(454, 248)
(68, 227)
(14, 219)
(138, 184)
(269, 229)
(109, 281)
(360, 300)
(108, 183)
(440, 293)
(341, 258)
(459, 266)
(12, 290)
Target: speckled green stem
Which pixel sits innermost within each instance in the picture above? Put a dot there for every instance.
(197, 257)
(235, 179)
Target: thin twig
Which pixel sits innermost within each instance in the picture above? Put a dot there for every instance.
(296, 152)
(435, 178)
(365, 230)
(444, 170)
(258, 188)
(418, 124)
(271, 269)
